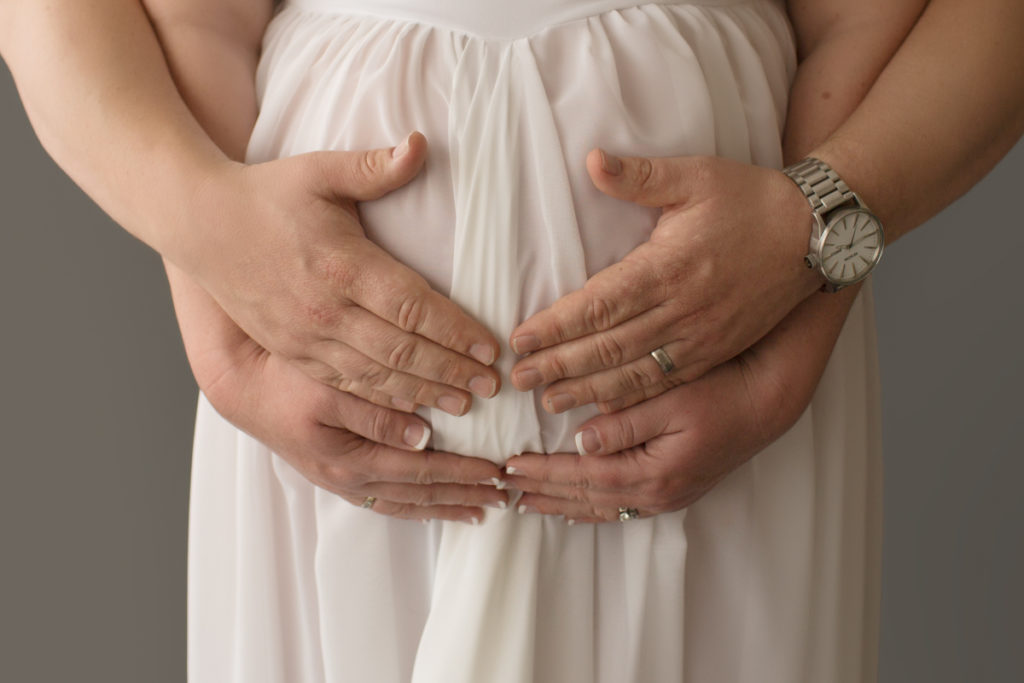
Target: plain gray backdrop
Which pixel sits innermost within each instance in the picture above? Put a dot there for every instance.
(97, 406)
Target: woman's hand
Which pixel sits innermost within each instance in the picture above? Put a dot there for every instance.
(285, 256)
(664, 454)
(337, 441)
(723, 266)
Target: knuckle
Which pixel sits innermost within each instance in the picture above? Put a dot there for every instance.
(368, 166)
(380, 425)
(598, 313)
(374, 375)
(322, 314)
(609, 350)
(412, 311)
(403, 354)
(640, 375)
(644, 173)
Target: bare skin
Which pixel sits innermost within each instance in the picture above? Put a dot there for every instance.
(704, 292)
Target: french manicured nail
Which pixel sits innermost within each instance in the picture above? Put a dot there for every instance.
(529, 378)
(570, 522)
(525, 344)
(483, 353)
(588, 441)
(417, 436)
(402, 404)
(484, 387)
(452, 404)
(522, 509)
(500, 504)
(511, 470)
(499, 484)
(402, 149)
(559, 403)
(611, 164)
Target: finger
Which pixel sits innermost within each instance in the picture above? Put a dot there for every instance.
(369, 174)
(403, 298)
(439, 494)
(638, 380)
(632, 426)
(616, 472)
(380, 463)
(376, 423)
(452, 513)
(351, 371)
(611, 297)
(576, 512)
(657, 182)
(623, 344)
(417, 356)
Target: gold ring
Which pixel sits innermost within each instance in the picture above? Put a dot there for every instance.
(368, 502)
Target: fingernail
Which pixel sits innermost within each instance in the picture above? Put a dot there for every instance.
(484, 387)
(499, 484)
(570, 522)
(525, 344)
(560, 403)
(452, 404)
(401, 150)
(483, 353)
(611, 164)
(588, 441)
(614, 405)
(500, 504)
(402, 404)
(529, 378)
(417, 436)
(476, 521)
(522, 509)
(511, 470)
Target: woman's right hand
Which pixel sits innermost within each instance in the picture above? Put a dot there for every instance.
(283, 253)
(338, 441)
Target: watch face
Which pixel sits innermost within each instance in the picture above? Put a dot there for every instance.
(851, 246)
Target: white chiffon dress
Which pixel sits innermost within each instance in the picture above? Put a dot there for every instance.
(772, 577)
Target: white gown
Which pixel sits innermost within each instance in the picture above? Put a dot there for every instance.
(772, 577)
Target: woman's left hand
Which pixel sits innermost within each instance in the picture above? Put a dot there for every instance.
(722, 267)
(665, 453)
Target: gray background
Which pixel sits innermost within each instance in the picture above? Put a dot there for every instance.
(97, 403)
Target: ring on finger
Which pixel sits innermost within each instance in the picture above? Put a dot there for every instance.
(663, 360)
(626, 514)
(368, 502)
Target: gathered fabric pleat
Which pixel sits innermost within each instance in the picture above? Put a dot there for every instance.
(772, 576)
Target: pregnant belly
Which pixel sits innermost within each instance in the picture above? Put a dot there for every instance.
(504, 218)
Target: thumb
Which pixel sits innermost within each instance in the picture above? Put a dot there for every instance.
(370, 174)
(648, 181)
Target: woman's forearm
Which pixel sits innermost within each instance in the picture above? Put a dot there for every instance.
(97, 89)
(948, 106)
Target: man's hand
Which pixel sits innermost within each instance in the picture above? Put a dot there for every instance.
(285, 256)
(723, 266)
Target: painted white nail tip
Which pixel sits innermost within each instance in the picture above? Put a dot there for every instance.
(512, 470)
(522, 509)
(499, 484)
(579, 443)
(426, 437)
(502, 505)
(570, 522)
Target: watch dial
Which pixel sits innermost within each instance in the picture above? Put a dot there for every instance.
(851, 246)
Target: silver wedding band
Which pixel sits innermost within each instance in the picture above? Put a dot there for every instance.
(663, 360)
(626, 514)
(368, 502)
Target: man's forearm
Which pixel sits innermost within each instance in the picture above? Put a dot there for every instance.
(98, 92)
(948, 106)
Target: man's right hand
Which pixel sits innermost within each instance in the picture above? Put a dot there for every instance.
(284, 254)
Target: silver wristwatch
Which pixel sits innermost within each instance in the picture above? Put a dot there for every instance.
(846, 238)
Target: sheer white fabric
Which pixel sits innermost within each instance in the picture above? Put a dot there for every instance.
(772, 577)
